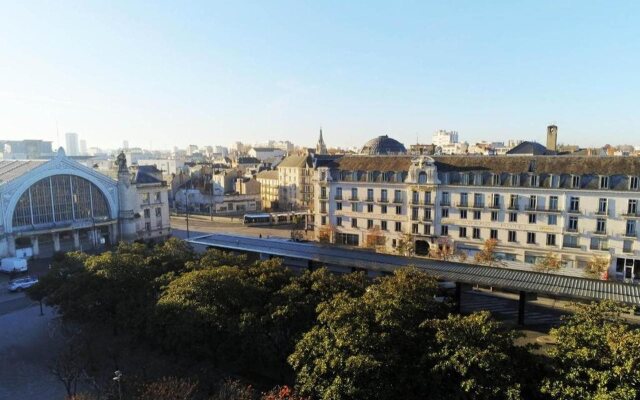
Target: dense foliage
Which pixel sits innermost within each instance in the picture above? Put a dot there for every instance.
(208, 317)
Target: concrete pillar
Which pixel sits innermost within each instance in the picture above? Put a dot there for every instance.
(76, 239)
(95, 234)
(113, 234)
(521, 303)
(35, 245)
(11, 245)
(56, 241)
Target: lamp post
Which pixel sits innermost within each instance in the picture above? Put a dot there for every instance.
(118, 379)
(186, 194)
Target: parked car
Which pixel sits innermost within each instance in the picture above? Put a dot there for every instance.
(18, 285)
(13, 264)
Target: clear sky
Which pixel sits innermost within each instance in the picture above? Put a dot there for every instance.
(161, 74)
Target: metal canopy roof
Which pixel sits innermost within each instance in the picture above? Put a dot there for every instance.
(542, 283)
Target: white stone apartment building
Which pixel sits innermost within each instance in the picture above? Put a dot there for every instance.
(269, 189)
(576, 207)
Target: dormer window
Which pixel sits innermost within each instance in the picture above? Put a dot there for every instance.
(464, 179)
(444, 177)
(398, 176)
(354, 175)
(604, 182)
(477, 179)
(515, 180)
(554, 181)
(534, 180)
(495, 179)
(633, 183)
(370, 176)
(575, 181)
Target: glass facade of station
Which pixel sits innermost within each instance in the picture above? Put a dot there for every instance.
(60, 199)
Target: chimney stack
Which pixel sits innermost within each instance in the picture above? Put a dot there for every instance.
(552, 138)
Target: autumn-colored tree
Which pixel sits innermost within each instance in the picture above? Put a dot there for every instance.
(326, 233)
(282, 393)
(487, 256)
(374, 238)
(168, 388)
(443, 249)
(597, 267)
(549, 263)
(405, 245)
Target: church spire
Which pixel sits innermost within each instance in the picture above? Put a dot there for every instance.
(321, 148)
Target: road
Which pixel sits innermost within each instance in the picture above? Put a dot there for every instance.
(202, 225)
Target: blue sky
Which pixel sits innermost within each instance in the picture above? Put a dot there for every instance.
(161, 74)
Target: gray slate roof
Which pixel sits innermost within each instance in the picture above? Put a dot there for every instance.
(12, 169)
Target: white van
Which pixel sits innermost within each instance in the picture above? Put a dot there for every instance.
(14, 264)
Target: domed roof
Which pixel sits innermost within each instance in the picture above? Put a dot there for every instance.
(383, 145)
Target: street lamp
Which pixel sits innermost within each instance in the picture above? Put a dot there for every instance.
(118, 378)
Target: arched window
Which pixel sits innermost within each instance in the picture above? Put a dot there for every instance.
(422, 177)
(58, 199)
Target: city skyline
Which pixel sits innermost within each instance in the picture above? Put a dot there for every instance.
(175, 75)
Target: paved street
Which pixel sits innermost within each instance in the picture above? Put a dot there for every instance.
(200, 225)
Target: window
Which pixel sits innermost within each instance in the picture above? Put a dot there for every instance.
(323, 220)
(627, 246)
(444, 230)
(147, 213)
(495, 200)
(398, 210)
(602, 206)
(145, 198)
(147, 226)
(158, 197)
(369, 223)
(354, 194)
(513, 217)
(354, 207)
(495, 179)
(493, 234)
(551, 239)
(397, 196)
(415, 197)
(632, 208)
(513, 201)
(477, 215)
(383, 209)
(464, 199)
(462, 232)
(414, 213)
(494, 215)
(427, 214)
(427, 197)
(445, 213)
(515, 180)
(633, 183)
(383, 225)
(478, 200)
(445, 199)
(338, 193)
(531, 237)
(601, 225)
(573, 224)
(398, 226)
(463, 214)
(512, 237)
(604, 182)
(533, 202)
(532, 218)
(339, 206)
(574, 204)
(630, 228)
(323, 192)
(476, 233)
(552, 220)
(339, 221)
(369, 208)
(369, 194)
(575, 181)
(553, 202)
(158, 212)
(427, 229)
(414, 229)
(354, 222)
(534, 179)
(323, 206)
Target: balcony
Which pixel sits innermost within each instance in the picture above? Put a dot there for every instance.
(462, 205)
(323, 197)
(541, 209)
(383, 200)
(633, 214)
(444, 203)
(478, 205)
(494, 206)
(630, 234)
(427, 219)
(571, 230)
(337, 197)
(514, 207)
(353, 198)
(599, 233)
(397, 200)
(599, 247)
(369, 200)
(574, 211)
(602, 212)
(571, 245)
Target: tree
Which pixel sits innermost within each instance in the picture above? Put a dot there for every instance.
(596, 356)
(168, 388)
(549, 263)
(405, 245)
(487, 256)
(326, 233)
(597, 267)
(374, 238)
(443, 250)
(370, 347)
(298, 228)
(470, 352)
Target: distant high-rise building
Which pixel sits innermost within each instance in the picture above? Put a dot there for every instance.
(83, 147)
(125, 144)
(443, 137)
(552, 137)
(321, 148)
(26, 149)
(72, 148)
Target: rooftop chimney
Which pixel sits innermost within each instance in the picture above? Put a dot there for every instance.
(552, 138)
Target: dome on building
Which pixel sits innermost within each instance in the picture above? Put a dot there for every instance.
(383, 145)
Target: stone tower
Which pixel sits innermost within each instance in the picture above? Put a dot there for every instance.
(321, 148)
(552, 138)
(126, 201)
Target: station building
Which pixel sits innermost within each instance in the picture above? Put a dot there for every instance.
(61, 205)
